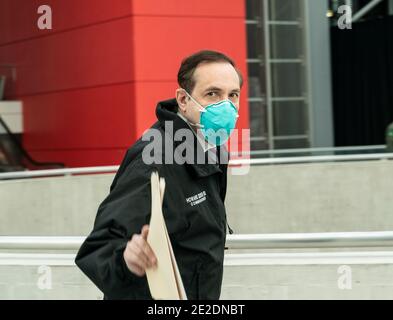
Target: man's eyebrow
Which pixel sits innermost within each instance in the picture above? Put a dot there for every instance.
(219, 89)
(213, 89)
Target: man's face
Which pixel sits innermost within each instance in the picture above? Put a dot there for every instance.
(214, 81)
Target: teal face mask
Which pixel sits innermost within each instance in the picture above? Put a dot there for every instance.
(217, 120)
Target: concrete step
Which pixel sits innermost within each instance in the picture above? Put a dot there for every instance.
(273, 277)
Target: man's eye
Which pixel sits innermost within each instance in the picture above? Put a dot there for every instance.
(234, 94)
(211, 94)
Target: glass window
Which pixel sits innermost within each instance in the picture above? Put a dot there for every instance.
(277, 69)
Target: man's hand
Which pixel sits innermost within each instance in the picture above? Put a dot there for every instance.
(138, 255)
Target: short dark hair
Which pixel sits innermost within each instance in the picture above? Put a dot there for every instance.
(185, 76)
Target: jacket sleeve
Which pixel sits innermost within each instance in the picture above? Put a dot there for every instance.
(123, 213)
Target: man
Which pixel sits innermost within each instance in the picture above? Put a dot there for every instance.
(116, 254)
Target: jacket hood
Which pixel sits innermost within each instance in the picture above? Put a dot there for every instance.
(167, 110)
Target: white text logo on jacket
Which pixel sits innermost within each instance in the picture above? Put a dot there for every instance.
(196, 199)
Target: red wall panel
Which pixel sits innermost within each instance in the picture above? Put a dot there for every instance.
(160, 45)
(147, 95)
(100, 117)
(18, 18)
(212, 8)
(90, 85)
(98, 55)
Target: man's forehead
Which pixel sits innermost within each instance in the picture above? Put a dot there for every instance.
(220, 75)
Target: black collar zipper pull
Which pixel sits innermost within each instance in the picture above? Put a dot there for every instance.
(229, 229)
(230, 232)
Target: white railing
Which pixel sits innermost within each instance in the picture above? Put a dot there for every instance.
(306, 159)
(230, 259)
(237, 162)
(311, 240)
(374, 148)
(308, 258)
(241, 241)
(40, 243)
(234, 241)
(57, 172)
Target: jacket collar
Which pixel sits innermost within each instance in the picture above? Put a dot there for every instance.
(205, 145)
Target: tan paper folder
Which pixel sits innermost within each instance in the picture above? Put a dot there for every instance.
(165, 281)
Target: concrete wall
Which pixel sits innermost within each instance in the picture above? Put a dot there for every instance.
(320, 197)
(51, 206)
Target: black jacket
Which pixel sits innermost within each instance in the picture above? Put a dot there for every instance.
(197, 229)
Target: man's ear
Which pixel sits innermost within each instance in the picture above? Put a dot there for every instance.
(181, 98)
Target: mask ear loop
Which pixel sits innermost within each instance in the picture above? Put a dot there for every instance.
(201, 109)
(200, 126)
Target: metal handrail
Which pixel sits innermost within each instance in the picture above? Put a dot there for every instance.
(230, 259)
(239, 241)
(58, 172)
(235, 162)
(310, 150)
(293, 160)
(40, 243)
(311, 240)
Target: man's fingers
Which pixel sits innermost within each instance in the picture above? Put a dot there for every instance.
(143, 244)
(138, 255)
(135, 268)
(145, 231)
(137, 260)
(146, 250)
(138, 271)
(132, 263)
(149, 252)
